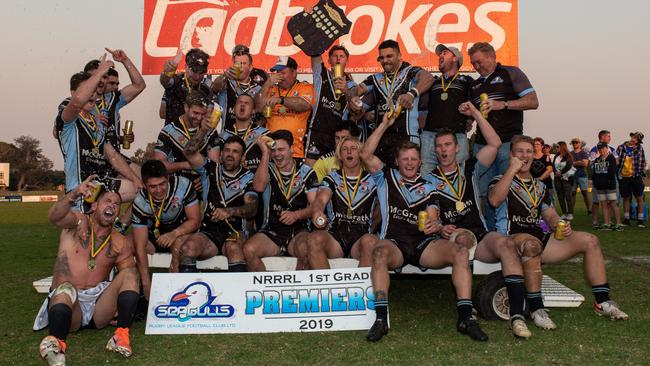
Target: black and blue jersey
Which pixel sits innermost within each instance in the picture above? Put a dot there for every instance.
(357, 219)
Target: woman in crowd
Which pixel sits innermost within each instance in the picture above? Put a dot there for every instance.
(564, 171)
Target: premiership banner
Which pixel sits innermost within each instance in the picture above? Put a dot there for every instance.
(261, 302)
(216, 26)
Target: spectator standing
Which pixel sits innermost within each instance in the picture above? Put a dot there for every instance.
(604, 182)
(564, 171)
(581, 179)
(630, 174)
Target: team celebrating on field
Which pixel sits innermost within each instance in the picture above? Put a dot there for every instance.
(257, 164)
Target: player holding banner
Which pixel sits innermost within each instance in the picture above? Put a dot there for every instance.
(404, 196)
(289, 187)
(330, 94)
(458, 196)
(521, 203)
(349, 194)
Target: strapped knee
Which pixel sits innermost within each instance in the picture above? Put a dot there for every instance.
(528, 248)
(66, 288)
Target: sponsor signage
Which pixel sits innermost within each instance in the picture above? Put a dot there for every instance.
(216, 26)
(261, 302)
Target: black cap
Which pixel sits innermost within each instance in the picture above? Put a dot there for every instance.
(601, 145)
(197, 60)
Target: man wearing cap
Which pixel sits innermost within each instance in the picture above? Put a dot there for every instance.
(581, 180)
(631, 171)
(178, 86)
(441, 104)
(604, 137)
(291, 102)
(240, 78)
(509, 95)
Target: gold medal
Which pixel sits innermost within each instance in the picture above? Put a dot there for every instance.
(337, 106)
(349, 213)
(283, 110)
(95, 151)
(533, 213)
(156, 233)
(444, 96)
(460, 206)
(92, 264)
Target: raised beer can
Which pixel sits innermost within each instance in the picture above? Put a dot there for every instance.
(237, 67)
(94, 192)
(128, 129)
(268, 111)
(483, 97)
(423, 216)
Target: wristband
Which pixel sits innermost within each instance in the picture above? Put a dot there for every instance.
(415, 92)
(170, 74)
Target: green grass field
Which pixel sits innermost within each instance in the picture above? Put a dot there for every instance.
(423, 318)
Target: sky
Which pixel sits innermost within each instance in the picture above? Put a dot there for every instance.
(587, 61)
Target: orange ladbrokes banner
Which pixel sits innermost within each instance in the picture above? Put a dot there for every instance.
(216, 26)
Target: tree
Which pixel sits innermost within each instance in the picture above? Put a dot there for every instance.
(28, 164)
(140, 156)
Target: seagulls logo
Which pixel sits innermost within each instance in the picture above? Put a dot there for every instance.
(195, 301)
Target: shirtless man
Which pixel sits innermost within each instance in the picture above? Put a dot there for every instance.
(82, 296)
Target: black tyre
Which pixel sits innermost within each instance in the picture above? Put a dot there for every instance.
(491, 298)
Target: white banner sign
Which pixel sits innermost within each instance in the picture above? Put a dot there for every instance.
(261, 302)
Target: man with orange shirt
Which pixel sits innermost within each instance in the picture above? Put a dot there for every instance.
(291, 100)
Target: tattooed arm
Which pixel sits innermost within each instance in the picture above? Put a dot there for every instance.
(247, 210)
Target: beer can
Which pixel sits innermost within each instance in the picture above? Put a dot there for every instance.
(269, 142)
(237, 67)
(338, 73)
(94, 192)
(423, 216)
(128, 129)
(483, 97)
(216, 116)
(559, 230)
(268, 111)
(321, 221)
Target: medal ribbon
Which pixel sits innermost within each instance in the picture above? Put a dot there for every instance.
(457, 192)
(222, 183)
(102, 105)
(248, 130)
(348, 197)
(157, 216)
(534, 200)
(389, 89)
(93, 252)
(442, 79)
(285, 191)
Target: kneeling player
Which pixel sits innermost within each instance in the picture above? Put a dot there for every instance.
(288, 187)
(81, 296)
(350, 194)
(403, 193)
(230, 200)
(521, 201)
(165, 212)
(458, 199)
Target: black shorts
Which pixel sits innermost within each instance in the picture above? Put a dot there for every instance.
(217, 234)
(283, 235)
(346, 240)
(631, 187)
(412, 251)
(152, 239)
